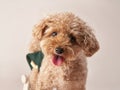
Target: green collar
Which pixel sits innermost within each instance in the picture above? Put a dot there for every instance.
(36, 57)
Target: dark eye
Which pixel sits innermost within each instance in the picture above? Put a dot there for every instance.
(54, 34)
(72, 39)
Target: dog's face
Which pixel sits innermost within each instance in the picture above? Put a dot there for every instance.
(64, 36)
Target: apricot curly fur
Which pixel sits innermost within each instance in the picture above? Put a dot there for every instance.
(78, 42)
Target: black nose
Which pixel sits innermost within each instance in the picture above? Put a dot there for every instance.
(59, 50)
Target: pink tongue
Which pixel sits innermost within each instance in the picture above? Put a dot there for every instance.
(57, 60)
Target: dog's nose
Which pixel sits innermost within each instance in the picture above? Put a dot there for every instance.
(59, 50)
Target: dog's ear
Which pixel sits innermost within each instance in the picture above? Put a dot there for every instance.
(88, 41)
(39, 30)
(38, 33)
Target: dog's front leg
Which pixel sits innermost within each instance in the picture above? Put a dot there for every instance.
(33, 76)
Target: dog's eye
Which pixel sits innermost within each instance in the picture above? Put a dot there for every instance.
(54, 34)
(72, 39)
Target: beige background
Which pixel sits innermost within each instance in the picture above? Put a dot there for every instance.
(17, 18)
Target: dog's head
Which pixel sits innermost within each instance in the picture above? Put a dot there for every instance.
(64, 36)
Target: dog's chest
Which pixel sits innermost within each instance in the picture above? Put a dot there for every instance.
(75, 71)
(71, 71)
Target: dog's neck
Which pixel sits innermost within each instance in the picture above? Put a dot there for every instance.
(72, 70)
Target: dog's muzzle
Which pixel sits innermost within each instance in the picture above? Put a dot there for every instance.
(59, 50)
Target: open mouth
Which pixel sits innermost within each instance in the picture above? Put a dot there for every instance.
(57, 60)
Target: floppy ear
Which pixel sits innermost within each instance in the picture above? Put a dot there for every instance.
(38, 32)
(88, 41)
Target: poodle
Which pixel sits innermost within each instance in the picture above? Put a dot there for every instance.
(66, 41)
